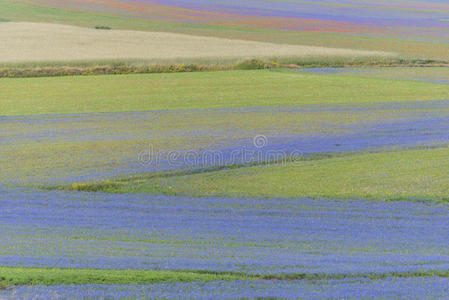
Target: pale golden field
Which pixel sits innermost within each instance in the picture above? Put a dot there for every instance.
(26, 42)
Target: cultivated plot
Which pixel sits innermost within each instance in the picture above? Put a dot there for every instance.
(413, 28)
(92, 147)
(53, 42)
(314, 183)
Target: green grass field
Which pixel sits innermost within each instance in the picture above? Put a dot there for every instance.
(11, 276)
(48, 276)
(390, 175)
(80, 206)
(65, 95)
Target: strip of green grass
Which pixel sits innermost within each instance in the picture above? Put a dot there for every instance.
(391, 175)
(143, 92)
(121, 185)
(49, 276)
(139, 66)
(15, 276)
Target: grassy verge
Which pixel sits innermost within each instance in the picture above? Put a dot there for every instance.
(10, 276)
(198, 90)
(135, 66)
(108, 69)
(390, 175)
(16, 276)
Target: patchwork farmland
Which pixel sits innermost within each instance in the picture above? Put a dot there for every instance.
(218, 150)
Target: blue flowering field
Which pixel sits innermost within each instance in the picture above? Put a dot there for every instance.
(300, 151)
(311, 200)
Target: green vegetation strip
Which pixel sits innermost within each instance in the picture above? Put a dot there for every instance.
(419, 174)
(17, 276)
(136, 66)
(49, 276)
(97, 68)
(121, 185)
(121, 67)
(149, 92)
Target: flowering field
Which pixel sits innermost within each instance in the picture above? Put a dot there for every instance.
(94, 146)
(318, 170)
(319, 242)
(412, 28)
(131, 204)
(352, 288)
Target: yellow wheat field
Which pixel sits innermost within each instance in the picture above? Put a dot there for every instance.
(25, 42)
